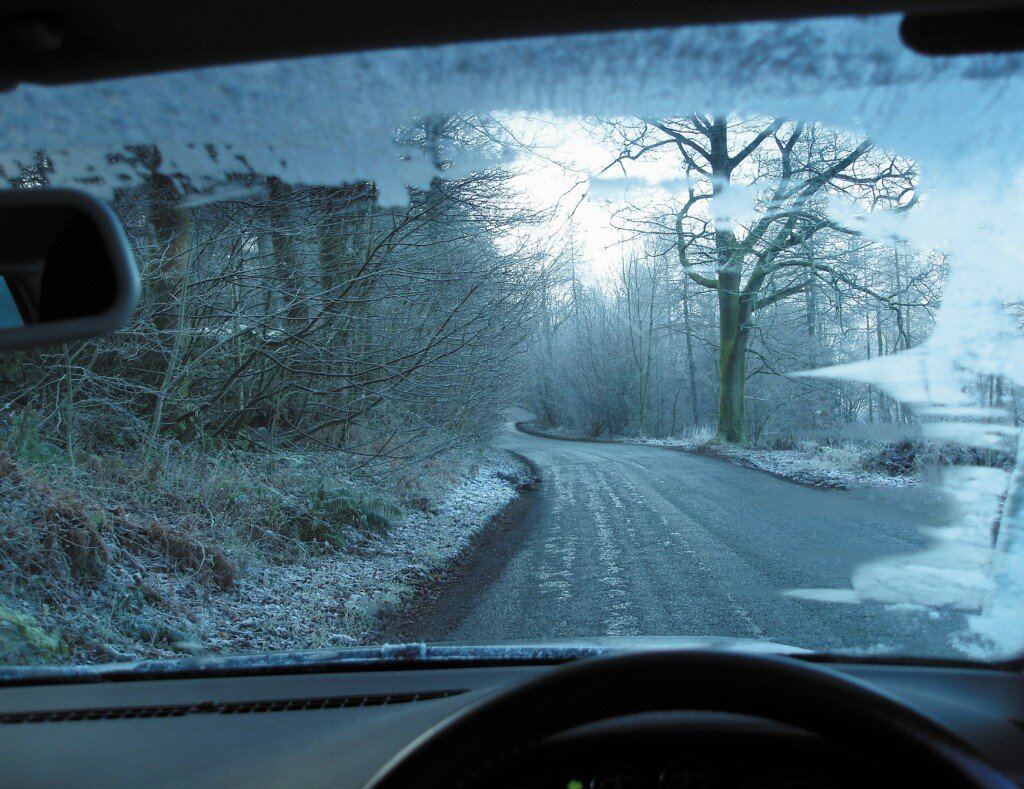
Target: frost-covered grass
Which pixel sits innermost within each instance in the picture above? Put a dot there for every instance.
(698, 436)
(809, 463)
(814, 464)
(113, 560)
(826, 465)
(337, 600)
(821, 465)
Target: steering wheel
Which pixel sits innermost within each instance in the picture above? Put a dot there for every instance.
(462, 749)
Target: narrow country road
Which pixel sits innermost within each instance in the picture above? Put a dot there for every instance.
(627, 540)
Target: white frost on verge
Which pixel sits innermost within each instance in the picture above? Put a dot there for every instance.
(812, 468)
(336, 600)
(811, 464)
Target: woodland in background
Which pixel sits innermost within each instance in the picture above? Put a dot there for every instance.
(277, 316)
(722, 293)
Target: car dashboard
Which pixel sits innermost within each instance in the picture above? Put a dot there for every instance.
(340, 727)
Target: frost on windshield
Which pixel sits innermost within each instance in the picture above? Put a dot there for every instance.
(794, 246)
(975, 561)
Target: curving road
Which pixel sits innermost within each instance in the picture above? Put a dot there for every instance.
(624, 540)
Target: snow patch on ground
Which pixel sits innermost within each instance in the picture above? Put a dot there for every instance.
(337, 600)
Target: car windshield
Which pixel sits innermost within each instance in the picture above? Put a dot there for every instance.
(710, 333)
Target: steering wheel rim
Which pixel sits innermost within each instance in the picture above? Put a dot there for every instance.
(812, 697)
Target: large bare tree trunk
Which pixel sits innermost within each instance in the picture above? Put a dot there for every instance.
(732, 328)
(732, 370)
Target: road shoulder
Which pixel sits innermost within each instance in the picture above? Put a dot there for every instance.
(788, 465)
(436, 609)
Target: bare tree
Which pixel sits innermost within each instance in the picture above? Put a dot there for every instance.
(788, 169)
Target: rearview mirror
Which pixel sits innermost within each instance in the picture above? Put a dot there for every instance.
(66, 270)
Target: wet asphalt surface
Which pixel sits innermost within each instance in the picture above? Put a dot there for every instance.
(623, 540)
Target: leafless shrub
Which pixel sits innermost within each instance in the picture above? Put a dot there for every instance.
(185, 551)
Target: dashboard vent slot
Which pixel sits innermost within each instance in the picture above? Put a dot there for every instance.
(224, 707)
